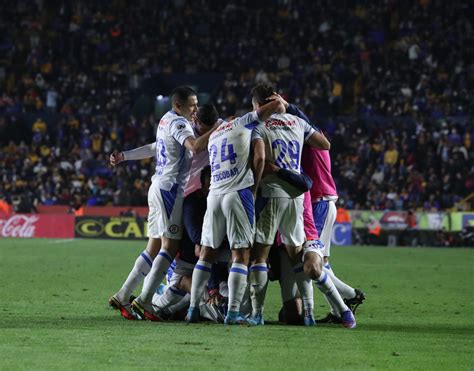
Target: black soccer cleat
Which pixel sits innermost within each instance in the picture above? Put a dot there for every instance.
(354, 302)
(330, 318)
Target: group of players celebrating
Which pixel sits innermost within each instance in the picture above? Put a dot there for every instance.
(232, 205)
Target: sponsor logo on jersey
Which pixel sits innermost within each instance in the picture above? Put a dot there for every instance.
(276, 124)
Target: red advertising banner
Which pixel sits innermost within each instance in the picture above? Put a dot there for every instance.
(37, 225)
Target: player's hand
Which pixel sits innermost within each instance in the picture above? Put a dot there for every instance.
(280, 98)
(281, 108)
(270, 168)
(116, 158)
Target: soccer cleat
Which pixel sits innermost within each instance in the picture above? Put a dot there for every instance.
(309, 318)
(330, 318)
(256, 320)
(193, 315)
(125, 309)
(357, 300)
(348, 319)
(234, 318)
(144, 311)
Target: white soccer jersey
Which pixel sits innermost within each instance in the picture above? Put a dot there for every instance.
(229, 153)
(173, 160)
(284, 136)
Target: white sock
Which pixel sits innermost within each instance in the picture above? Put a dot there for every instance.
(346, 291)
(139, 271)
(305, 287)
(183, 303)
(170, 297)
(237, 282)
(258, 278)
(201, 274)
(157, 273)
(327, 287)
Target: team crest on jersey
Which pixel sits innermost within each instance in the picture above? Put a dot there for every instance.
(173, 228)
(179, 127)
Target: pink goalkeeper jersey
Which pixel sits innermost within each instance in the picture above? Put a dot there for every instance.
(316, 164)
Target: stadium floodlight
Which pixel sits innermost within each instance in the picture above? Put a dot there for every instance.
(159, 97)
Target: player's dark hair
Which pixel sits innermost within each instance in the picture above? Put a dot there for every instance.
(207, 114)
(181, 94)
(261, 92)
(205, 173)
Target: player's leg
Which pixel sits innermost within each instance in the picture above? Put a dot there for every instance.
(237, 283)
(292, 310)
(201, 274)
(258, 277)
(239, 211)
(267, 226)
(213, 233)
(177, 290)
(313, 259)
(144, 262)
(293, 236)
(326, 217)
(169, 225)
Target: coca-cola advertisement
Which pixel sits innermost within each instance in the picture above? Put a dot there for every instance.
(37, 225)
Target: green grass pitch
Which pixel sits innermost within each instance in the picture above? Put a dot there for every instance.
(53, 315)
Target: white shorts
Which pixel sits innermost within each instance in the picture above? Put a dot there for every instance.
(324, 213)
(284, 215)
(231, 214)
(165, 213)
(181, 270)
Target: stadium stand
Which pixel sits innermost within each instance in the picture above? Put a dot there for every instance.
(395, 99)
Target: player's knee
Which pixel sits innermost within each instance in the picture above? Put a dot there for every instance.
(207, 254)
(240, 256)
(312, 270)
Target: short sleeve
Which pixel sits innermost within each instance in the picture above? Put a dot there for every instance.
(257, 133)
(308, 129)
(249, 120)
(180, 129)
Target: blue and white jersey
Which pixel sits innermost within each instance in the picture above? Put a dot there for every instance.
(284, 136)
(173, 160)
(229, 153)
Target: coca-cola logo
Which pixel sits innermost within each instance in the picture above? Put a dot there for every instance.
(18, 226)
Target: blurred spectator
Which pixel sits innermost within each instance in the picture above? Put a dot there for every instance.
(391, 83)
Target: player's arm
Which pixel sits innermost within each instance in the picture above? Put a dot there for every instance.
(318, 140)
(196, 145)
(293, 109)
(139, 153)
(258, 149)
(265, 111)
(299, 180)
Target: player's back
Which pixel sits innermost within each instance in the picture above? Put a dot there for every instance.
(229, 152)
(316, 163)
(284, 136)
(173, 160)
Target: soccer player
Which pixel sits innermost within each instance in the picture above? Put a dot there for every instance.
(194, 207)
(284, 136)
(230, 206)
(316, 163)
(175, 143)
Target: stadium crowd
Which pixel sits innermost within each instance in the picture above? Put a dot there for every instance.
(391, 84)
